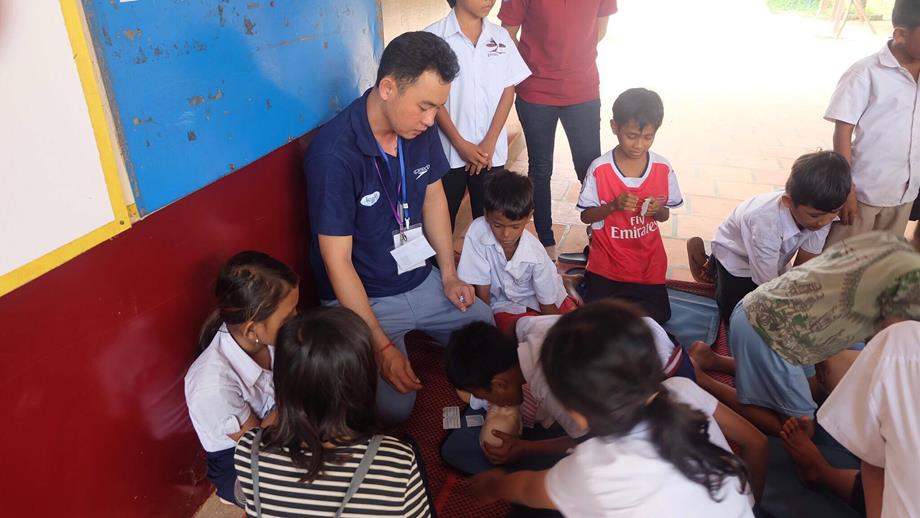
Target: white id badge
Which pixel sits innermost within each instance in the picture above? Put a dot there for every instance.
(410, 249)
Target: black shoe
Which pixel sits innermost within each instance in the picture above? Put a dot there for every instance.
(578, 258)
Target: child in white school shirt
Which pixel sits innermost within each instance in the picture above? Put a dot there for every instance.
(873, 413)
(507, 266)
(758, 240)
(877, 101)
(229, 389)
(652, 453)
(472, 123)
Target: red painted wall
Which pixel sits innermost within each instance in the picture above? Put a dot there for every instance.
(94, 353)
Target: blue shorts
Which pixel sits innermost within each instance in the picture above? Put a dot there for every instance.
(764, 378)
(222, 473)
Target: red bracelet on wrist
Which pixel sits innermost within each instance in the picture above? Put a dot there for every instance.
(385, 347)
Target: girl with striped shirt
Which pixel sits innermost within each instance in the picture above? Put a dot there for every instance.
(323, 446)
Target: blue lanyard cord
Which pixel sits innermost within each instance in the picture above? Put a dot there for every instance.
(402, 191)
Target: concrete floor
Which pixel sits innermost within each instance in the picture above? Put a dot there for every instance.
(744, 91)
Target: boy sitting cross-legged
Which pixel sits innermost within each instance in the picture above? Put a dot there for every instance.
(508, 267)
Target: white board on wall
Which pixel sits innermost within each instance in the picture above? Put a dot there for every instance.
(53, 183)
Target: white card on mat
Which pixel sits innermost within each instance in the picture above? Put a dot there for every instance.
(474, 420)
(451, 417)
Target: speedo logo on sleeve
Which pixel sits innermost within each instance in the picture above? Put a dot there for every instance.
(420, 172)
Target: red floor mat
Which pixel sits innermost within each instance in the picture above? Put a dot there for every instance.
(447, 487)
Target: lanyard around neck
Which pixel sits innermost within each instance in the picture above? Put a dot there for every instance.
(402, 191)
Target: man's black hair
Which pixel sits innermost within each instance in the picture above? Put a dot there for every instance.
(820, 179)
(641, 105)
(476, 353)
(906, 13)
(508, 193)
(411, 54)
(452, 3)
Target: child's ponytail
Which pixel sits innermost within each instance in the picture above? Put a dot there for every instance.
(681, 436)
(600, 361)
(249, 288)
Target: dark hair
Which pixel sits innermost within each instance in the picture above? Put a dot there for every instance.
(325, 387)
(249, 288)
(641, 105)
(906, 13)
(476, 353)
(600, 361)
(452, 3)
(509, 193)
(411, 54)
(820, 179)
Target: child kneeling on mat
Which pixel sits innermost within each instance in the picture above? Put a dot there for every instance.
(508, 267)
(656, 450)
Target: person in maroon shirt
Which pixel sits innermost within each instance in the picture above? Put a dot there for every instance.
(559, 43)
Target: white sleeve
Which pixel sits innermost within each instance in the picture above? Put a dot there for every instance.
(761, 241)
(675, 197)
(850, 99)
(815, 243)
(685, 390)
(473, 267)
(663, 344)
(552, 406)
(547, 283)
(588, 197)
(517, 70)
(850, 414)
(568, 488)
(218, 412)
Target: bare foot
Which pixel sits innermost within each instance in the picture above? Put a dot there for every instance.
(810, 464)
(699, 261)
(702, 356)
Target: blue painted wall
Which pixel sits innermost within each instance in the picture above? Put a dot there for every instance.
(200, 88)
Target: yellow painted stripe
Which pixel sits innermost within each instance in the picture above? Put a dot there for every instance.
(79, 42)
(47, 262)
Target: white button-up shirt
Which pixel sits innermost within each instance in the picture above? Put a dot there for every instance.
(223, 388)
(873, 413)
(760, 237)
(486, 68)
(529, 279)
(882, 99)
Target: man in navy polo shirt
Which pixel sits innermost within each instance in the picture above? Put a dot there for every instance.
(373, 175)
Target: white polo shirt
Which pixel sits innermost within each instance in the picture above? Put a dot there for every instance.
(486, 68)
(531, 331)
(882, 99)
(873, 412)
(760, 237)
(626, 477)
(529, 279)
(223, 388)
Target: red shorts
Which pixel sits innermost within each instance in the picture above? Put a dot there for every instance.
(505, 321)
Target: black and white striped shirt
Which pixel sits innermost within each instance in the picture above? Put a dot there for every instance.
(392, 487)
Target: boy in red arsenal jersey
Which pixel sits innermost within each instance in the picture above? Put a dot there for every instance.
(627, 192)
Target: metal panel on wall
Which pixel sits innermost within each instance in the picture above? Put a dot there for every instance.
(201, 88)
